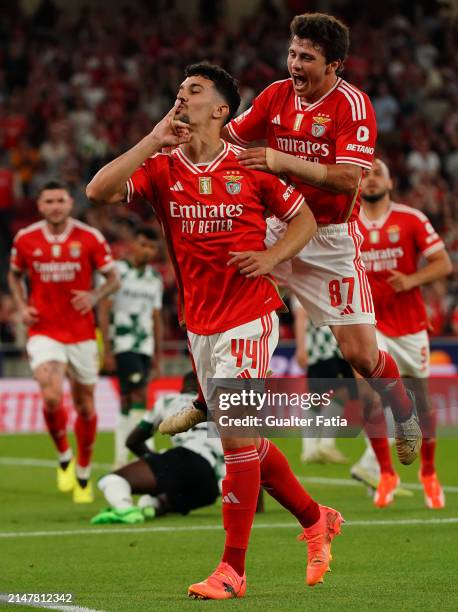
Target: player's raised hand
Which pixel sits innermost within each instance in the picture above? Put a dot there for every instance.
(29, 315)
(253, 263)
(171, 131)
(83, 301)
(400, 282)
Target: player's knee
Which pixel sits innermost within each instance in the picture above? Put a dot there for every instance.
(362, 361)
(85, 408)
(52, 399)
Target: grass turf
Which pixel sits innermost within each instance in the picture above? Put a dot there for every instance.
(376, 567)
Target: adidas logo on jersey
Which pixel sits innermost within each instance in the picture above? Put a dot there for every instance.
(37, 252)
(230, 498)
(177, 187)
(276, 120)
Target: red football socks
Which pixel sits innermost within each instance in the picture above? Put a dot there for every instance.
(428, 451)
(377, 433)
(279, 481)
(56, 422)
(385, 379)
(428, 447)
(240, 496)
(85, 432)
(382, 452)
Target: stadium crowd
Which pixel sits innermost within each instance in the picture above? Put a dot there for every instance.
(76, 92)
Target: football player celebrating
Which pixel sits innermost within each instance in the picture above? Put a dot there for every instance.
(212, 213)
(59, 256)
(395, 236)
(321, 133)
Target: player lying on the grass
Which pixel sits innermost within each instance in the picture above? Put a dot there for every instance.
(131, 324)
(321, 132)
(212, 211)
(395, 237)
(180, 479)
(59, 256)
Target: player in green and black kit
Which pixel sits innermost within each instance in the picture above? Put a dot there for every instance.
(130, 322)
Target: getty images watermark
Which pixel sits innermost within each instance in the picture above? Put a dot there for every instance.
(325, 407)
(264, 403)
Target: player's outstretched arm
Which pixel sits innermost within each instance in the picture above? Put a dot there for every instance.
(136, 439)
(299, 231)
(109, 184)
(438, 266)
(339, 178)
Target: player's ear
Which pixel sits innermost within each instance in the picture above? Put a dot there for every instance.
(333, 66)
(221, 111)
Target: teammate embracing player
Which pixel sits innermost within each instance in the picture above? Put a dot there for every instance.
(212, 210)
(59, 256)
(395, 236)
(321, 132)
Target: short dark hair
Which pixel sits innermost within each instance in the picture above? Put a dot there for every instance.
(325, 31)
(146, 231)
(53, 184)
(224, 83)
(190, 384)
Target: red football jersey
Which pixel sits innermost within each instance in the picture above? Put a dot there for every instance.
(55, 265)
(339, 128)
(207, 210)
(395, 242)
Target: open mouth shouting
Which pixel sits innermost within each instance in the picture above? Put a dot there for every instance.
(300, 84)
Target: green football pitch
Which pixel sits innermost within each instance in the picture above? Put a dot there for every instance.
(401, 558)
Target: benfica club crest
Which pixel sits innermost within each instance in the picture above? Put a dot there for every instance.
(233, 186)
(205, 185)
(75, 249)
(394, 233)
(319, 125)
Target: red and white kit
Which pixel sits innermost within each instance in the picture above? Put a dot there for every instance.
(206, 211)
(340, 128)
(56, 265)
(395, 242)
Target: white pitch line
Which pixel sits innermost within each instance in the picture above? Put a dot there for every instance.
(347, 482)
(46, 606)
(340, 482)
(44, 463)
(171, 528)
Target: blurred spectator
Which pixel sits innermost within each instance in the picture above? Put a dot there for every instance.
(422, 161)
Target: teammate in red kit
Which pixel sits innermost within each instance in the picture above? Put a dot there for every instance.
(59, 256)
(395, 236)
(321, 133)
(212, 210)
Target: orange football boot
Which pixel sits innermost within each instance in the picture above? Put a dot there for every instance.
(384, 493)
(224, 583)
(319, 537)
(434, 495)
